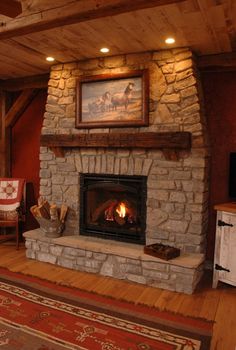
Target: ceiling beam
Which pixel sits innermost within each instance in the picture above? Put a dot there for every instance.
(10, 8)
(19, 106)
(79, 11)
(35, 82)
(223, 61)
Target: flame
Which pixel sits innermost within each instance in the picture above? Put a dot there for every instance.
(121, 210)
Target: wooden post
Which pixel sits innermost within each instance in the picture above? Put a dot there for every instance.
(7, 151)
(2, 134)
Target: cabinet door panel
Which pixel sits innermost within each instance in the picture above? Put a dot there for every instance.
(228, 250)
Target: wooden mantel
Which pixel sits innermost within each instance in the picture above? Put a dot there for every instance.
(169, 142)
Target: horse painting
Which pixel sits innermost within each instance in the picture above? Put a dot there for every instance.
(111, 100)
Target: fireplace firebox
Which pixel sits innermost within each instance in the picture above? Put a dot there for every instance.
(113, 207)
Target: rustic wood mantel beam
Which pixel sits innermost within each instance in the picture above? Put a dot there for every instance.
(74, 12)
(172, 141)
(10, 8)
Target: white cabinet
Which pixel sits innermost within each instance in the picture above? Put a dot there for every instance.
(225, 245)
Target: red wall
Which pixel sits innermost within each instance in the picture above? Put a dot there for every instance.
(220, 104)
(25, 148)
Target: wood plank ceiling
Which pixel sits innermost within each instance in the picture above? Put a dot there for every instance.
(75, 30)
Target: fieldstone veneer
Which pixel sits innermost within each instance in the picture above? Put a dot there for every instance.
(177, 191)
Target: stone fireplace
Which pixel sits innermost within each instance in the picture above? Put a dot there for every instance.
(176, 180)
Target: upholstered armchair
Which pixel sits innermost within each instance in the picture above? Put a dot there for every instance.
(12, 204)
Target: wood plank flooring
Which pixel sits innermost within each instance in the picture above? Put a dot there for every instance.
(218, 304)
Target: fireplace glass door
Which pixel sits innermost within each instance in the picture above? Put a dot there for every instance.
(113, 207)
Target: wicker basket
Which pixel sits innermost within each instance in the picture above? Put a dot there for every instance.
(52, 229)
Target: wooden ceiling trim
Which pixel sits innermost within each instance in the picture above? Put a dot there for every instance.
(10, 8)
(224, 61)
(19, 106)
(75, 13)
(33, 82)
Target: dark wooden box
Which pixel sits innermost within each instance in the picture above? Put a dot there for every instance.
(162, 251)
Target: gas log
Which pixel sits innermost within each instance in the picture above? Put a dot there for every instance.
(120, 212)
(99, 211)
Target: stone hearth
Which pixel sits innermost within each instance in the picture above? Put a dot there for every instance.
(116, 259)
(177, 188)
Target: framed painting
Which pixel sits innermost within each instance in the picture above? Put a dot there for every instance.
(114, 100)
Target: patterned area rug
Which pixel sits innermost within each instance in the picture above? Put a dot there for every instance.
(39, 315)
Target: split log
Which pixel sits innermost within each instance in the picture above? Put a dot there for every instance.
(119, 220)
(42, 209)
(53, 212)
(49, 212)
(109, 212)
(43, 212)
(102, 207)
(33, 211)
(37, 212)
(63, 212)
(46, 207)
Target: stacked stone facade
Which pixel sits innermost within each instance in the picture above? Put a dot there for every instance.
(177, 190)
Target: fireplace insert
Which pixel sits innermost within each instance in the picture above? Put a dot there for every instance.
(113, 207)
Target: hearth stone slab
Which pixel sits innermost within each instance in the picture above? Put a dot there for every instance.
(116, 259)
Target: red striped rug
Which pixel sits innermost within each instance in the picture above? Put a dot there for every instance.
(39, 315)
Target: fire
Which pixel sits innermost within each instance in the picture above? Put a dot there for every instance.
(121, 210)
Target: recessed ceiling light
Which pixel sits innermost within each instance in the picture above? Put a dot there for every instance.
(104, 49)
(50, 59)
(170, 41)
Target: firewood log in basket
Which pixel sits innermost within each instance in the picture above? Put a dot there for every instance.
(50, 218)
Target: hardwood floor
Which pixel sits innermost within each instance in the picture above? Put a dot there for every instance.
(218, 304)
